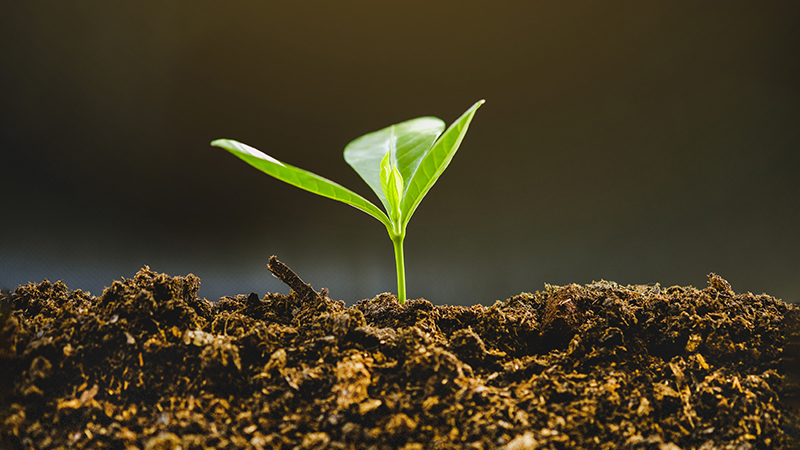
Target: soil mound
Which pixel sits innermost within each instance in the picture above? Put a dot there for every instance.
(149, 365)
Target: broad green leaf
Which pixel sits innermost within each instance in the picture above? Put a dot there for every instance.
(407, 142)
(433, 162)
(301, 178)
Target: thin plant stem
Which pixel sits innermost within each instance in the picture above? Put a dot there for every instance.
(401, 268)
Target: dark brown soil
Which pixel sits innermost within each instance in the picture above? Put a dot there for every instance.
(148, 365)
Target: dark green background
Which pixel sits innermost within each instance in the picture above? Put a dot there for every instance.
(638, 142)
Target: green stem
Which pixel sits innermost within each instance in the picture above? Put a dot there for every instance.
(401, 268)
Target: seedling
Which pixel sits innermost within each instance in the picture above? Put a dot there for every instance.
(400, 163)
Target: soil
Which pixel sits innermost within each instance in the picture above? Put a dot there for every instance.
(149, 365)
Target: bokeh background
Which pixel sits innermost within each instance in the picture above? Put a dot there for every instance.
(639, 142)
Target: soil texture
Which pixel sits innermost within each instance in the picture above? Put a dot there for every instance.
(149, 365)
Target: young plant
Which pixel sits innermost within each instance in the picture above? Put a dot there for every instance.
(400, 163)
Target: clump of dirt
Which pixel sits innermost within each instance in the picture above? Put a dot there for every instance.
(149, 365)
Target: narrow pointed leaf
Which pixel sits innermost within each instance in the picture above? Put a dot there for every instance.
(434, 162)
(301, 178)
(406, 142)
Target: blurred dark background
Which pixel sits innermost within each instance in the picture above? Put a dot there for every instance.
(638, 142)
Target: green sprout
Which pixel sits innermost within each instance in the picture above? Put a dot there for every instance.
(400, 163)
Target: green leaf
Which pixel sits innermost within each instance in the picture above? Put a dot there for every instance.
(301, 178)
(392, 187)
(406, 142)
(433, 162)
